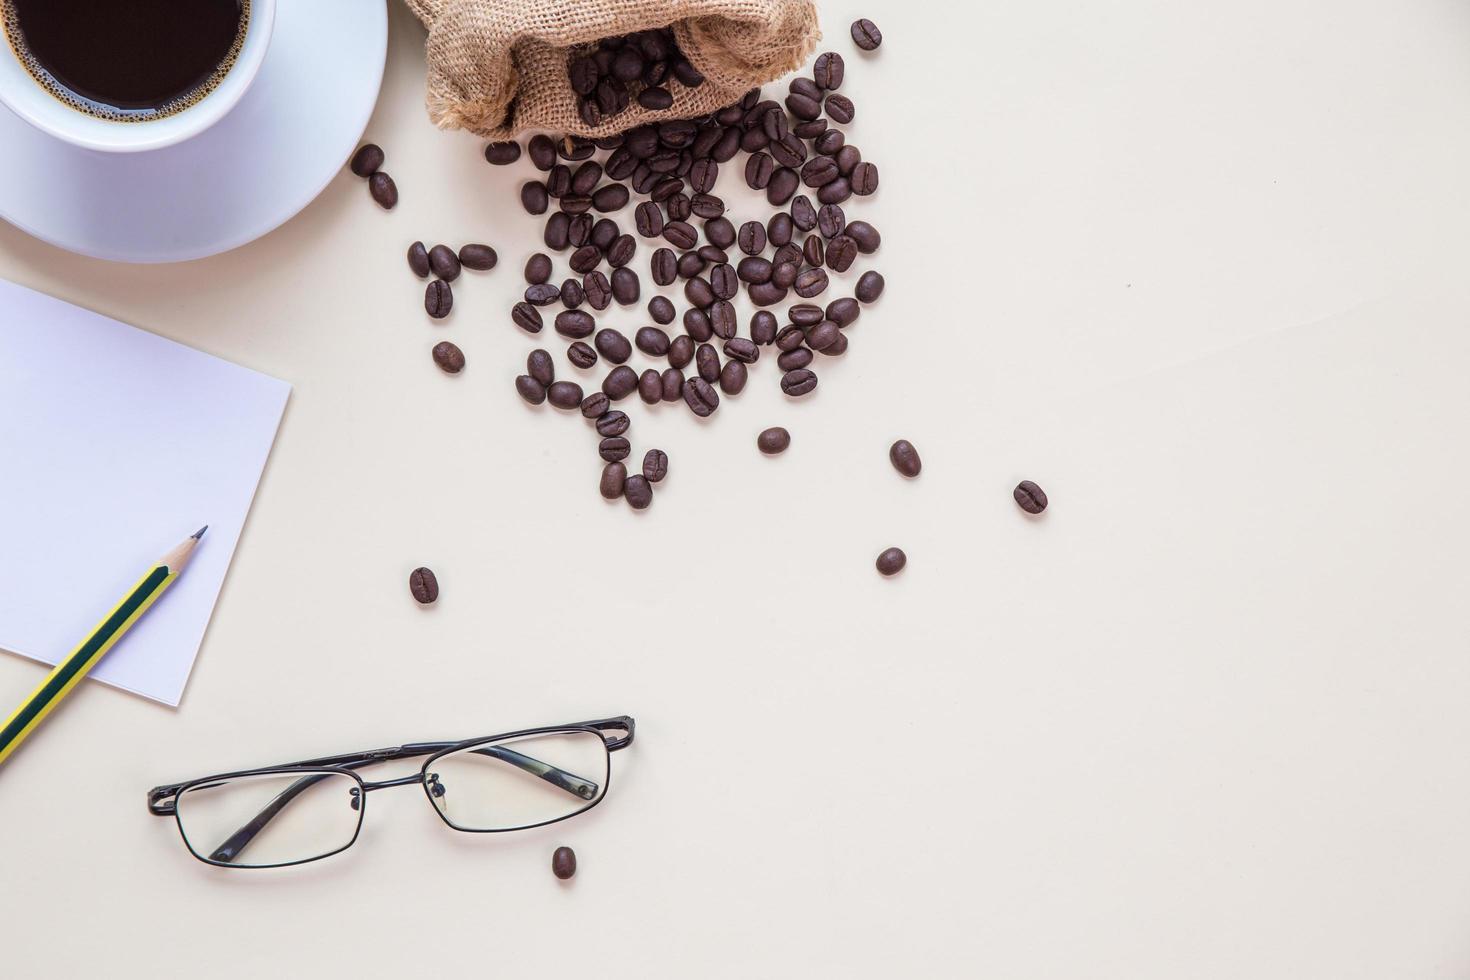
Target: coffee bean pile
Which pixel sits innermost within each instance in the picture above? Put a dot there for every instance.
(367, 163)
(809, 174)
(445, 264)
(615, 71)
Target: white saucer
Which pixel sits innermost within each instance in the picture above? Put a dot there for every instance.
(245, 176)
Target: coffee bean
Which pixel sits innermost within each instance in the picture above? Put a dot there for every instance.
(620, 382)
(812, 282)
(720, 233)
(681, 351)
(575, 324)
(648, 218)
(699, 292)
(478, 257)
(586, 177)
(625, 287)
(809, 129)
(819, 170)
(525, 316)
(557, 234)
(538, 268)
(808, 87)
(612, 345)
(638, 492)
(702, 175)
(614, 449)
(680, 234)
(754, 140)
(758, 170)
(585, 259)
(701, 397)
(742, 350)
(790, 152)
(540, 366)
(836, 192)
(707, 363)
(723, 281)
(605, 233)
(798, 382)
(843, 311)
(655, 465)
(707, 206)
(438, 299)
(865, 34)
(712, 254)
(597, 290)
(803, 215)
(543, 294)
(366, 161)
(449, 357)
(803, 106)
(779, 229)
(806, 314)
(790, 360)
(564, 394)
(418, 260)
(828, 70)
(783, 184)
(848, 157)
(823, 335)
(831, 220)
(828, 143)
(752, 238)
(581, 355)
(1030, 497)
(773, 441)
(580, 230)
(655, 98)
(572, 294)
(650, 387)
(661, 309)
(763, 327)
(542, 151)
(444, 262)
(609, 198)
(891, 561)
(533, 391)
(869, 286)
(500, 154)
(621, 164)
(753, 269)
(842, 251)
(767, 293)
(595, 405)
(905, 458)
(836, 348)
(652, 341)
(383, 190)
(677, 206)
(621, 251)
(671, 384)
(840, 109)
(664, 266)
(784, 272)
(733, 377)
(559, 181)
(614, 476)
(423, 585)
(864, 178)
(864, 235)
(813, 250)
(697, 323)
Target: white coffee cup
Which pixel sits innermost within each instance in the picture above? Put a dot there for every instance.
(27, 99)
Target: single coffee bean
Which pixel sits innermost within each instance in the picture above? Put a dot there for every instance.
(763, 327)
(707, 363)
(502, 153)
(478, 257)
(819, 170)
(784, 272)
(836, 192)
(723, 281)
(788, 253)
(753, 269)
(812, 282)
(648, 218)
(565, 395)
(702, 175)
(828, 143)
(869, 286)
(599, 293)
(831, 220)
(681, 351)
(614, 449)
(813, 251)
(891, 561)
(707, 206)
(533, 391)
(540, 366)
(742, 350)
(733, 377)
(604, 233)
(672, 383)
(418, 260)
(638, 492)
(828, 70)
(543, 294)
(650, 387)
(595, 405)
(803, 215)
(449, 357)
(542, 151)
(585, 259)
(664, 266)
(697, 323)
(655, 465)
(766, 293)
(836, 348)
(847, 157)
(438, 299)
(752, 238)
(609, 198)
(806, 314)
(423, 585)
(572, 294)
(864, 178)
(557, 234)
(559, 180)
(625, 287)
(799, 382)
(576, 203)
(720, 232)
(621, 164)
(905, 458)
(525, 316)
(799, 357)
(773, 441)
(808, 87)
(366, 161)
(823, 335)
(383, 190)
(699, 292)
(655, 98)
(662, 310)
(809, 129)
(775, 123)
(758, 170)
(614, 475)
(586, 177)
(444, 262)
(784, 183)
(621, 251)
(575, 324)
(803, 106)
(780, 229)
(652, 341)
(864, 235)
(1030, 497)
(678, 207)
(840, 109)
(865, 34)
(620, 382)
(581, 230)
(612, 345)
(701, 397)
(843, 312)
(581, 355)
(842, 251)
(538, 268)
(681, 234)
(712, 254)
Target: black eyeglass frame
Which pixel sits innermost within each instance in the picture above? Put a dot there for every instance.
(616, 733)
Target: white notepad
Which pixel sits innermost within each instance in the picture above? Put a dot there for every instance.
(115, 445)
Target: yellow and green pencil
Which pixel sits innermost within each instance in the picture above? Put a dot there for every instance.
(69, 672)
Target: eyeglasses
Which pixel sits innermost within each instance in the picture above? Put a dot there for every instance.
(304, 811)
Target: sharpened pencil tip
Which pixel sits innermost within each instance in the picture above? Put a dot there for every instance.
(199, 533)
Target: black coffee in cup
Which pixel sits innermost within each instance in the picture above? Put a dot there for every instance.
(127, 60)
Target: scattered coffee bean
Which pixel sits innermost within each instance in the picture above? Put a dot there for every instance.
(383, 190)
(572, 294)
(700, 396)
(905, 458)
(837, 347)
(614, 476)
(763, 327)
(502, 153)
(564, 394)
(733, 377)
(621, 251)
(843, 312)
(836, 192)
(423, 585)
(813, 251)
(638, 491)
(597, 290)
(864, 235)
(663, 266)
(661, 309)
(418, 260)
(680, 234)
(865, 34)
(681, 351)
(842, 252)
(366, 161)
(449, 357)
(812, 282)
(840, 109)
(650, 387)
(655, 465)
(524, 315)
(1030, 497)
(438, 299)
(530, 389)
(891, 561)
(864, 178)
(823, 335)
(595, 405)
(798, 357)
(557, 234)
(828, 69)
(799, 382)
(783, 185)
(542, 151)
(648, 218)
(614, 449)
(652, 341)
(534, 197)
(543, 294)
(477, 257)
(620, 382)
(752, 238)
(444, 262)
(773, 441)
(538, 268)
(790, 338)
(540, 366)
(869, 287)
(671, 384)
(742, 350)
(612, 345)
(575, 324)
(564, 860)
(625, 287)
(707, 363)
(581, 355)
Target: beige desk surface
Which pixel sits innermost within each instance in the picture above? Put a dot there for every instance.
(1206, 718)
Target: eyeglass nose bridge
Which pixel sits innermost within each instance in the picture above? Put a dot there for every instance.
(413, 779)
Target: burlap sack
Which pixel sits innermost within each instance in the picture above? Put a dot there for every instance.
(499, 67)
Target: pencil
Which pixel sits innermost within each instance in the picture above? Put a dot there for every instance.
(69, 672)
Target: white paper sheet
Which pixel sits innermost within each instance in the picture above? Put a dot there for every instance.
(115, 445)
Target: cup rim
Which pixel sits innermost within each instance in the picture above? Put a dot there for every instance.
(208, 111)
